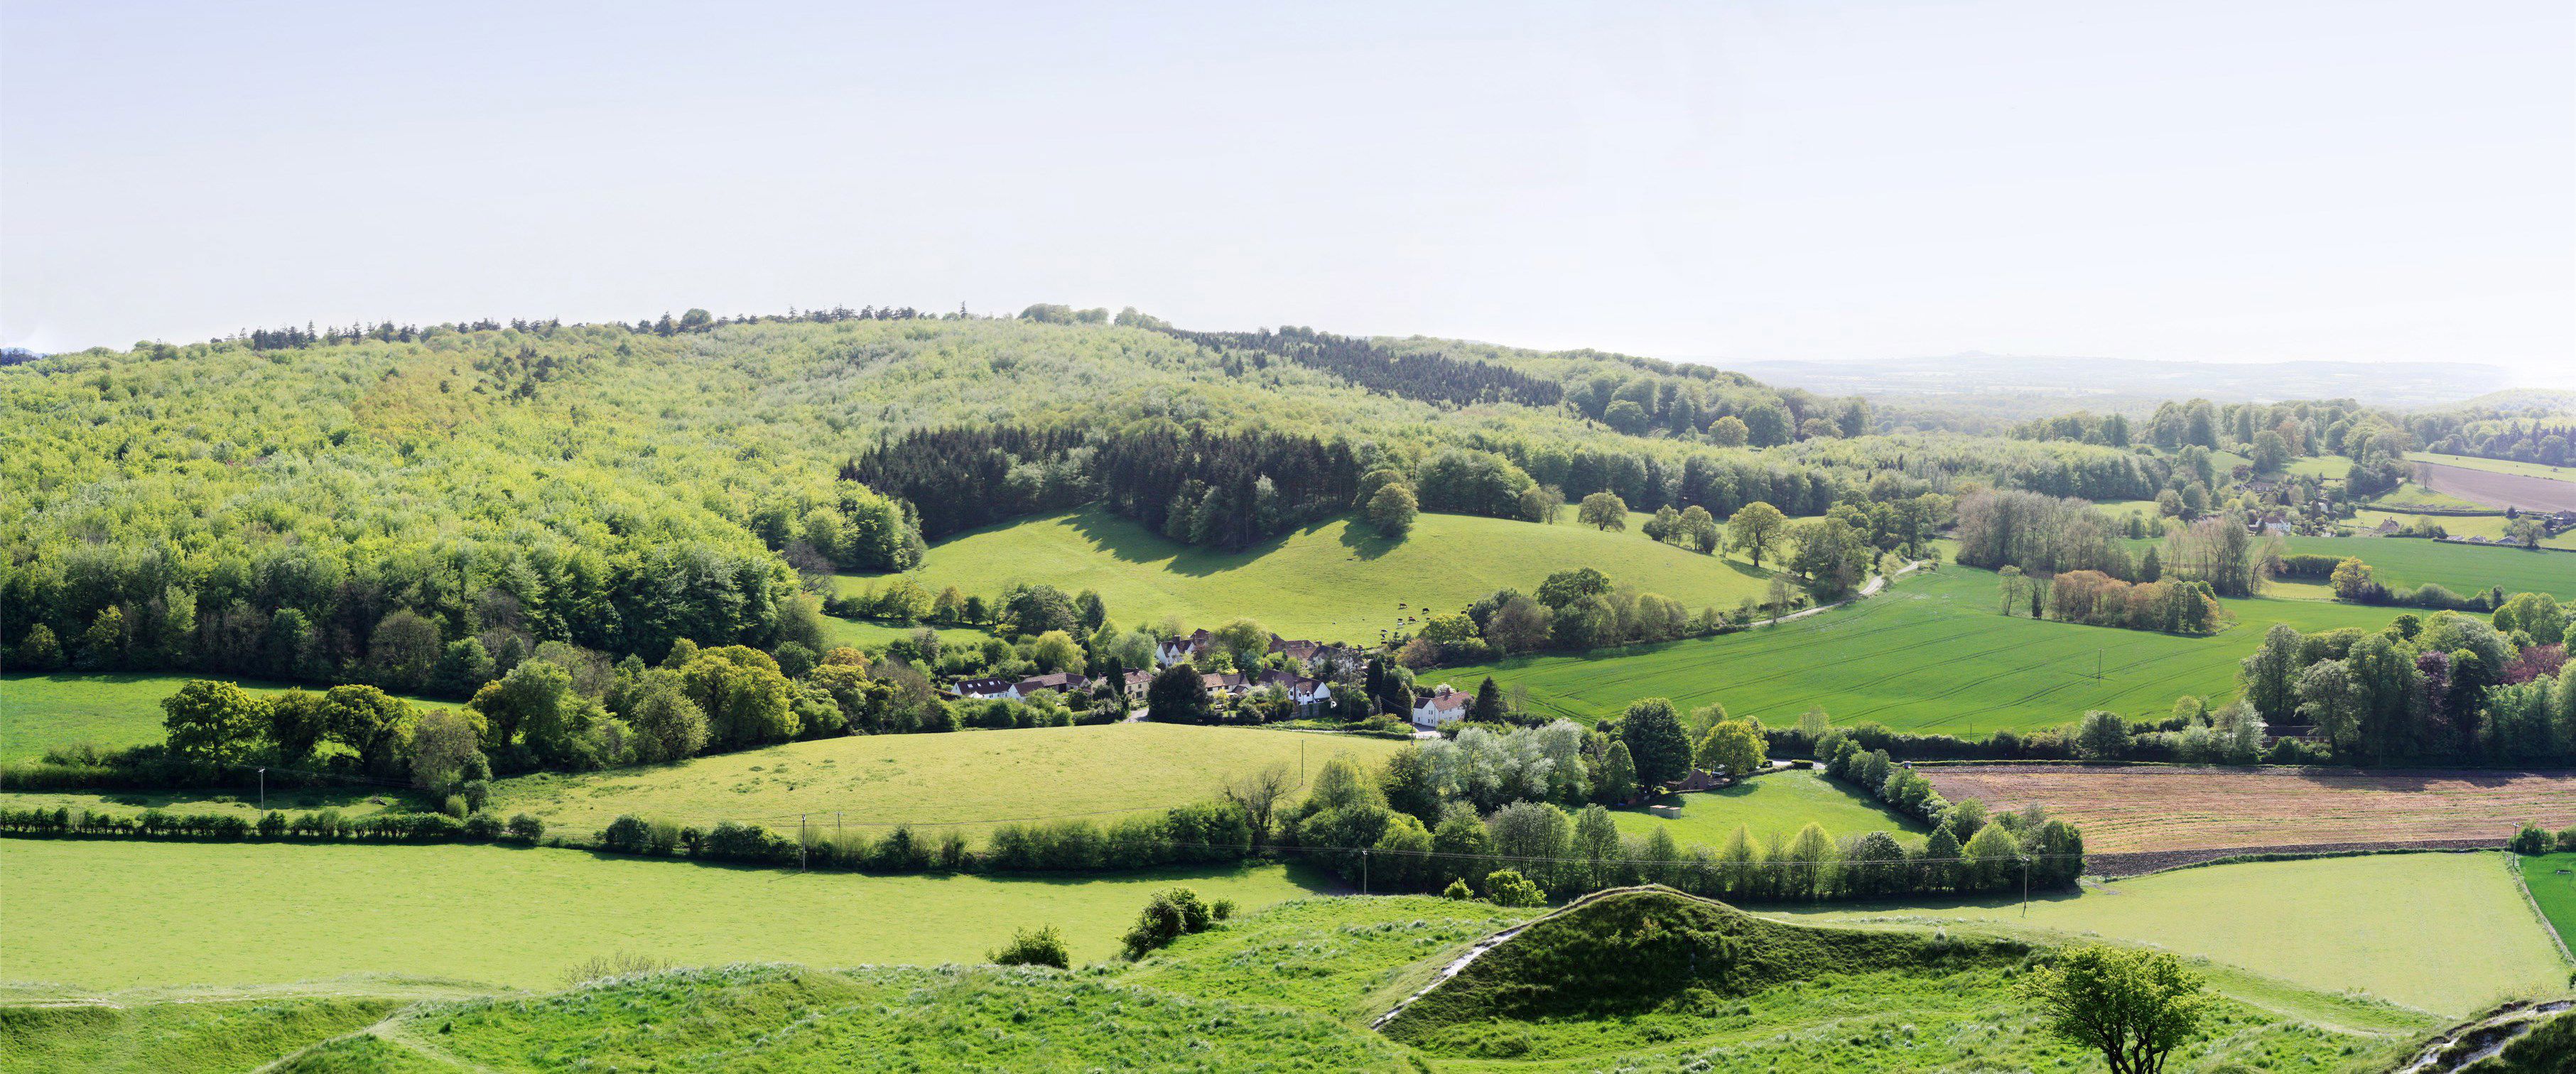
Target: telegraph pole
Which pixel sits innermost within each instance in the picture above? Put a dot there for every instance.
(800, 842)
(2025, 886)
(1364, 870)
(263, 790)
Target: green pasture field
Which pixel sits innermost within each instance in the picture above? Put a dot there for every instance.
(2446, 933)
(2413, 495)
(109, 709)
(2487, 526)
(2325, 466)
(1930, 654)
(2496, 466)
(1780, 802)
(970, 780)
(872, 635)
(2464, 568)
(1333, 581)
(2552, 880)
(261, 913)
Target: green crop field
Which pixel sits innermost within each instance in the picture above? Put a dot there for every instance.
(2326, 466)
(2496, 466)
(1780, 802)
(1333, 581)
(262, 913)
(114, 710)
(2552, 881)
(1931, 654)
(968, 779)
(2463, 568)
(2414, 495)
(2446, 933)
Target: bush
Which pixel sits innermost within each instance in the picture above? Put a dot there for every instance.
(626, 835)
(1507, 887)
(1044, 947)
(1170, 915)
(2530, 839)
(525, 828)
(2567, 838)
(1459, 890)
(483, 827)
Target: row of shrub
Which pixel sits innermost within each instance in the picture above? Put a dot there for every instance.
(324, 825)
(1191, 834)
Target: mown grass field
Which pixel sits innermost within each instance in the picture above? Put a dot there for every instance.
(2446, 933)
(2496, 466)
(969, 780)
(1931, 654)
(111, 709)
(1334, 581)
(1781, 802)
(2464, 568)
(2552, 880)
(872, 635)
(263, 913)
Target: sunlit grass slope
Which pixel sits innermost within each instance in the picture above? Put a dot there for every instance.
(1336, 580)
(969, 780)
(237, 913)
(1932, 654)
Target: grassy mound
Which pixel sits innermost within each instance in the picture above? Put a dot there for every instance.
(786, 1019)
(1637, 950)
(1349, 958)
(1651, 979)
(1335, 580)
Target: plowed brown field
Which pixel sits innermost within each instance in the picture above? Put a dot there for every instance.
(2498, 490)
(2161, 808)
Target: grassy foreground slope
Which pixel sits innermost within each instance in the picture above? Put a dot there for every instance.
(2445, 933)
(1931, 654)
(1650, 979)
(171, 1035)
(970, 780)
(263, 913)
(1335, 580)
(791, 1019)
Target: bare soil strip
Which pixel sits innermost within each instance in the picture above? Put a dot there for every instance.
(2498, 490)
(2260, 810)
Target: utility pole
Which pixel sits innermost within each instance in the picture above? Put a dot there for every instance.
(836, 825)
(263, 790)
(2025, 886)
(800, 842)
(1364, 870)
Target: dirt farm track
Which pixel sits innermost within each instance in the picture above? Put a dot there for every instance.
(2162, 808)
(2498, 490)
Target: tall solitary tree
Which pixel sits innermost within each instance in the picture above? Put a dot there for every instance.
(1756, 530)
(2134, 1007)
(1177, 695)
(1603, 510)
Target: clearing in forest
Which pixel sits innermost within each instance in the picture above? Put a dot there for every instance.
(2158, 807)
(1333, 581)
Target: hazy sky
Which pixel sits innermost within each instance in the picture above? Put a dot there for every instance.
(2237, 181)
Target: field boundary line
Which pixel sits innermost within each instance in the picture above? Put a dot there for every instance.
(2522, 884)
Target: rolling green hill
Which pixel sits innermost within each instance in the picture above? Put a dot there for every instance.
(1334, 581)
(1931, 654)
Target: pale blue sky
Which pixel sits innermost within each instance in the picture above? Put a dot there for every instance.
(2232, 181)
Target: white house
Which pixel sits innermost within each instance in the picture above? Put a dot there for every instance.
(1441, 707)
